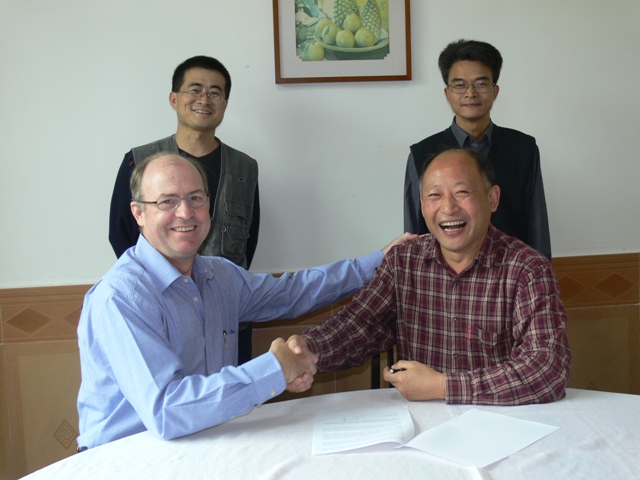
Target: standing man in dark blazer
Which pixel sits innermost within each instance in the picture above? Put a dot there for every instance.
(470, 70)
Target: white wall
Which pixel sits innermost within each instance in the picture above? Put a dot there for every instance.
(82, 81)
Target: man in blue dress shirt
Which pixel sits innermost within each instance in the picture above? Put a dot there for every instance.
(158, 333)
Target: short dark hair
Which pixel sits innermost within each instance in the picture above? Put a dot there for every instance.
(473, 51)
(485, 167)
(200, 61)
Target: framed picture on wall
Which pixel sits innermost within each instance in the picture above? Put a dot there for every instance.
(341, 40)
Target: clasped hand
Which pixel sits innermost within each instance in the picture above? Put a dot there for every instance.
(297, 362)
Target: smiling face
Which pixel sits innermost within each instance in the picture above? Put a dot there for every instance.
(471, 107)
(199, 114)
(457, 204)
(176, 234)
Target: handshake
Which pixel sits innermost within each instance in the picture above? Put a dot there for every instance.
(297, 361)
(414, 380)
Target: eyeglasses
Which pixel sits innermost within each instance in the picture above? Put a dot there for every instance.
(479, 87)
(214, 96)
(172, 202)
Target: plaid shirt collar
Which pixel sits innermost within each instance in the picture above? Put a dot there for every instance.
(486, 256)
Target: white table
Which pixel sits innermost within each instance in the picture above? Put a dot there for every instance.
(599, 438)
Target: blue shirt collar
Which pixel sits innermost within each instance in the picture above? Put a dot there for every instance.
(464, 139)
(162, 271)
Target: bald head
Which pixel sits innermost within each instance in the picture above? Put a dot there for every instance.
(165, 159)
(485, 168)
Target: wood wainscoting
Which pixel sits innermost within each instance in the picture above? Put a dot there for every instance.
(40, 369)
(602, 295)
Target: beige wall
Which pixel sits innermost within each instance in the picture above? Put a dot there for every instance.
(40, 369)
(332, 156)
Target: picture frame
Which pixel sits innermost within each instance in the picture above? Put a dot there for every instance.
(298, 59)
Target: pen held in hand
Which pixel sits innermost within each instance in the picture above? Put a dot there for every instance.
(394, 370)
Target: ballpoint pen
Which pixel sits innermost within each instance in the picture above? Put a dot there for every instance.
(394, 370)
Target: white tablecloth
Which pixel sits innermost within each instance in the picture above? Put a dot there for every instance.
(599, 438)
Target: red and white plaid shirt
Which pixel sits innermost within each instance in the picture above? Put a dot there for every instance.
(497, 329)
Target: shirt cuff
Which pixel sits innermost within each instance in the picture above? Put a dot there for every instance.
(267, 376)
(458, 388)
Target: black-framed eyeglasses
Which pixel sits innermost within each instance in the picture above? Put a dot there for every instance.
(479, 87)
(172, 202)
(215, 97)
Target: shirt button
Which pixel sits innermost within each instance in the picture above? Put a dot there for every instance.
(185, 280)
(455, 355)
(455, 318)
(273, 393)
(195, 299)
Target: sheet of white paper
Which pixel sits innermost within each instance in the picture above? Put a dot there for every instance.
(339, 431)
(479, 438)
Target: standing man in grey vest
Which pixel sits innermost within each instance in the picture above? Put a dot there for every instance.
(200, 93)
(470, 70)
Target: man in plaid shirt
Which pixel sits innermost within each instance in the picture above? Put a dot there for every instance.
(475, 314)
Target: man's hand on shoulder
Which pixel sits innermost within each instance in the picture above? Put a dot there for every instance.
(416, 381)
(298, 364)
(401, 240)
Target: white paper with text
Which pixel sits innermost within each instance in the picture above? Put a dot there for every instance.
(350, 429)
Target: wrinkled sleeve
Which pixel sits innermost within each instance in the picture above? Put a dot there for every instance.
(264, 297)
(537, 218)
(413, 220)
(123, 228)
(254, 229)
(364, 327)
(141, 364)
(539, 367)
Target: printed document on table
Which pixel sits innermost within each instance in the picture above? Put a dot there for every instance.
(350, 429)
(479, 438)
